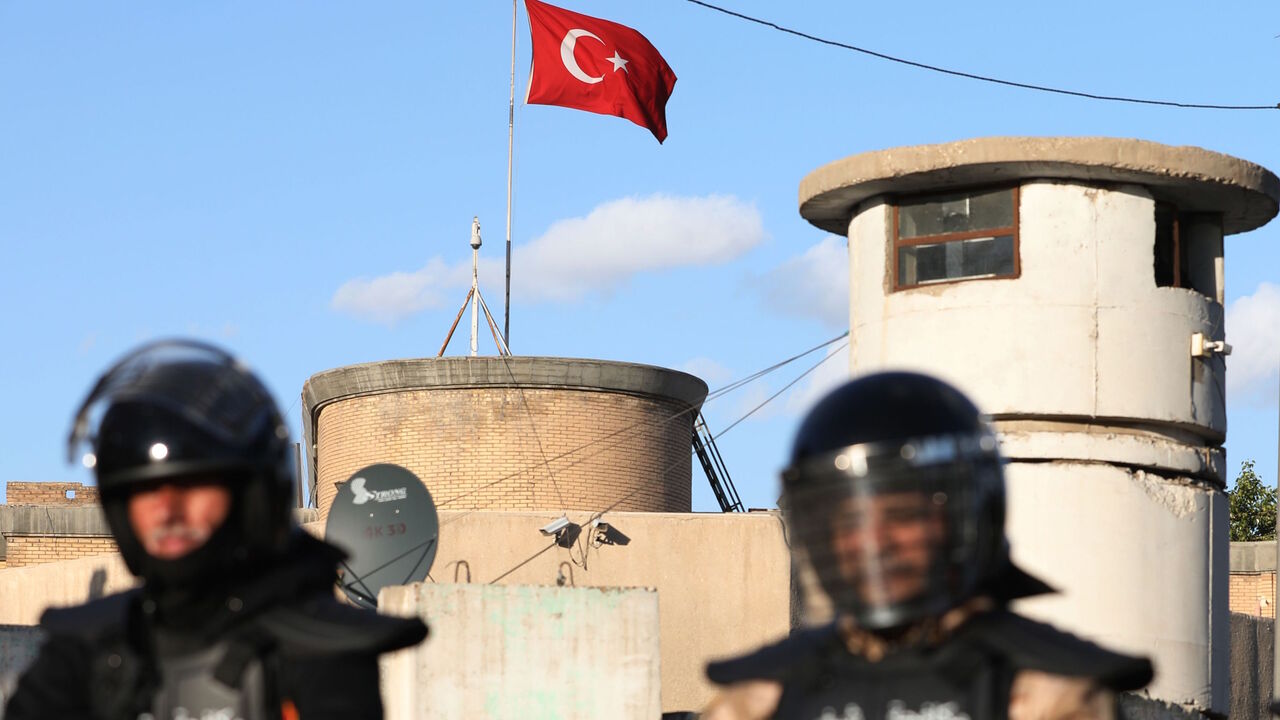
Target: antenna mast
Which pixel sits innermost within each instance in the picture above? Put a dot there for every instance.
(475, 282)
(477, 303)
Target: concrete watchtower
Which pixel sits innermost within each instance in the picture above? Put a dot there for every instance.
(1074, 288)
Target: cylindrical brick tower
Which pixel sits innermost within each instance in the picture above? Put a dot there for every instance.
(1074, 288)
(513, 433)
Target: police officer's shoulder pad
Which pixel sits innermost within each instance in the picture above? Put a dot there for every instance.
(323, 626)
(93, 620)
(772, 662)
(1032, 645)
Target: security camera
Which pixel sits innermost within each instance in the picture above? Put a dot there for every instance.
(555, 526)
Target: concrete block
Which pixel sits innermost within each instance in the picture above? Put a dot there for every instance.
(18, 648)
(525, 651)
(1253, 557)
(1252, 664)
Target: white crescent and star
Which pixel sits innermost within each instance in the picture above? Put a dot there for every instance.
(571, 63)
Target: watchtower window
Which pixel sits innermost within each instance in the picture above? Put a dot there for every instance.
(1188, 250)
(958, 236)
(1169, 255)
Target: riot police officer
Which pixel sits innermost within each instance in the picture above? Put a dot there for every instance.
(236, 615)
(894, 496)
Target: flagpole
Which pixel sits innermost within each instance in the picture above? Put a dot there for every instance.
(511, 133)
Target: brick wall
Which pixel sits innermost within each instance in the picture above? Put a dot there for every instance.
(1253, 593)
(50, 493)
(26, 550)
(476, 448)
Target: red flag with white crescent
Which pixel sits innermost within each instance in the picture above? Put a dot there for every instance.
(599, 66)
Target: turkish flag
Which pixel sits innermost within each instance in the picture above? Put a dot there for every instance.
(599, 66)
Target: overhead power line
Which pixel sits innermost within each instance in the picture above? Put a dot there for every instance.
(973, 76)
(608, 442)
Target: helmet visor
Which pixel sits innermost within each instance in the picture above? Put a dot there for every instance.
(198, 384)
(893, 536)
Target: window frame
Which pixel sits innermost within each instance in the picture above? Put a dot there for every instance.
(1180, 246)
(897, 242)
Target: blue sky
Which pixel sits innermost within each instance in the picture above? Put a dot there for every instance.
(296, 181)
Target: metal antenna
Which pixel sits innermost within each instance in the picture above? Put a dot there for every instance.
(475, 282)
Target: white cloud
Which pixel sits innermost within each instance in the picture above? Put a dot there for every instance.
(625, 237)
(391, 298)
(1253, 329)
(577, 256)
(815, 284)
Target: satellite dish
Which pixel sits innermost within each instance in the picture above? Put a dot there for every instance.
(385, 518)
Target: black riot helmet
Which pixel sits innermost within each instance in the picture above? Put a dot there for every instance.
(895, 496)
(175, 411)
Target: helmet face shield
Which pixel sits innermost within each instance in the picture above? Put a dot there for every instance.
(170, 409)
(185, 413)
(894, 532)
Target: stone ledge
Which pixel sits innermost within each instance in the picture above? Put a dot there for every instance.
(1247, 194)
(1256, 557)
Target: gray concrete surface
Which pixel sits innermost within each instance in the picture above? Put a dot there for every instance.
(75, 521)
(43, 520)
(1250, 557)
(18, 647)
(1137, 707)
(1192, 178)
(1252, 663)
(525, 652)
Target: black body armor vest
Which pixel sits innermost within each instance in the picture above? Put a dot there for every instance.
(139, 672)
(966, 677)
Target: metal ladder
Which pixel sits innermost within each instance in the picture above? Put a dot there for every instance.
(704, 445)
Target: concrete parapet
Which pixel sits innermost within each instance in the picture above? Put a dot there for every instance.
(78, 521)
(1253, 557)
(527, 652)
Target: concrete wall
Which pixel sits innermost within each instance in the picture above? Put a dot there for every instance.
(1252, 666)
(525, 652)
(1253, 578)
(510, 434)
(1166, 597)
(83, 521)
(724, 580)
(28, 591)
(1084, 332)
(18, 648)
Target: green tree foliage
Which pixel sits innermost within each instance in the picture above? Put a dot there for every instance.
(1253, 507)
